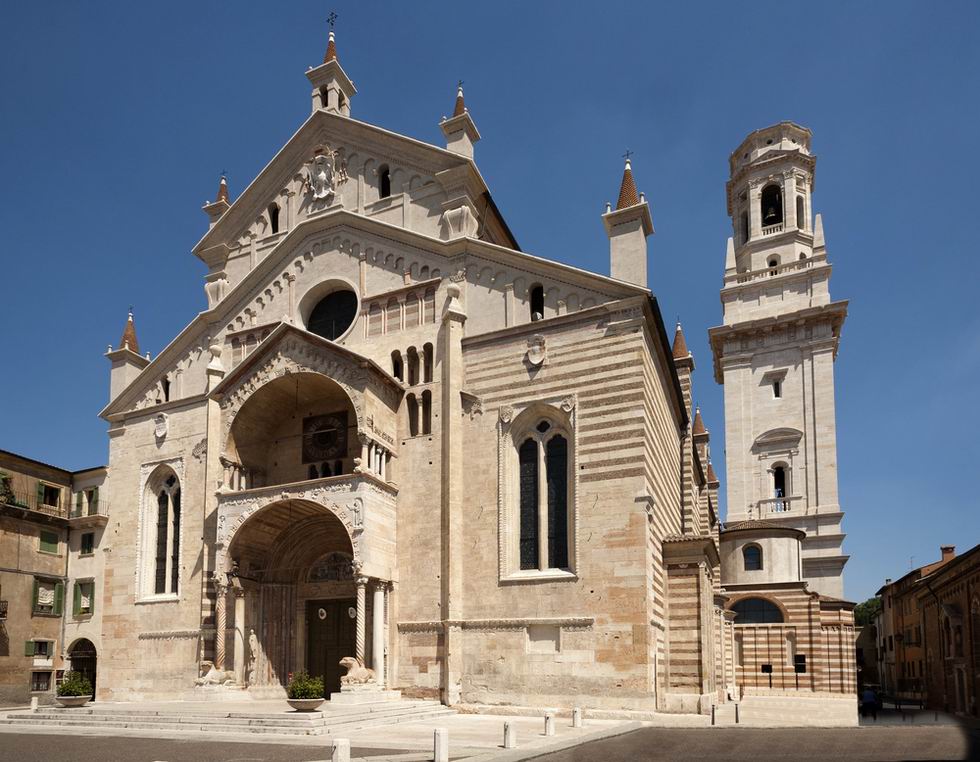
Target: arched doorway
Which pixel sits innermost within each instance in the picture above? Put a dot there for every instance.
(83, 658)
(293, 570)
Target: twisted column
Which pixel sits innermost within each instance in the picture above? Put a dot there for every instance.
(220, 624)
(360, 625)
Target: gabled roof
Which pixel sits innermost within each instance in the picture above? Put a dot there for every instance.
(346, 129)
(281, 331)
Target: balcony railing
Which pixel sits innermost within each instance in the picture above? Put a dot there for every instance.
(772, 229)
(29, 501)
(777, 505)
(3, 610)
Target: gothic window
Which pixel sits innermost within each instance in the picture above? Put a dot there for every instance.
(427, 363)
(536, 297)
(412, 407)
(397, 369)
(800, 213)
(771, 205)
(160, 572)
(757, 611)
(335, 313)
(274, 217)
(427, 412)
(752, 558)
(542, 501)
(384, 181)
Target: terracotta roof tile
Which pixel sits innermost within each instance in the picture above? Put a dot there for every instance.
(698, 423)
(712, 477)
(128, 340)
(735, 526)
(680, 346)
(627, 191)
(331, 54)
(460, 108)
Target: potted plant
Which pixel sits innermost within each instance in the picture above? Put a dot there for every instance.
(305, 693)
(75, 690)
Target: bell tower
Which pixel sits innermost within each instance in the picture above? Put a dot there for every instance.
(776, 349)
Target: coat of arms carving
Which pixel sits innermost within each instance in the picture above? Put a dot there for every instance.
(324, 173)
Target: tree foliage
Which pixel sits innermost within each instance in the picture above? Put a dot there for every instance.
(865, 613)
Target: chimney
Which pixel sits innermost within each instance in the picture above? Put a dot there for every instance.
(948, 551)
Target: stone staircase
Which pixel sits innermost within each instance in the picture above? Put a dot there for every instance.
(188, 718)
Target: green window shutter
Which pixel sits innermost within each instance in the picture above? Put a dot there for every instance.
(28, 648)
(34, 598)
(78, 503)
(76, 605)
(59, 598)
(49, 542)
(40, 493)
(91, 598)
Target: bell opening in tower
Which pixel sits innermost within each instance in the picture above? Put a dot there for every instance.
(772, 206)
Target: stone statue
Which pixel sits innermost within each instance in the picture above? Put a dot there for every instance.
(253, 652)
(357, 673)
(212, 676)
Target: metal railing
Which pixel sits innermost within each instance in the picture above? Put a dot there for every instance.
(29, 501)
(98, 508)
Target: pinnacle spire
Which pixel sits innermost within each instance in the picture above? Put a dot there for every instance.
(222, 189)
(698, 427)
(680, 346)
(331, 54)
(711, 476)
(627, 191)
(460, 108)
(128, 340)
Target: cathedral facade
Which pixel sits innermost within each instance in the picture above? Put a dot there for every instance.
(395, 436)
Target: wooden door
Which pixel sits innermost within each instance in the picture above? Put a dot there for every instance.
(330, 637)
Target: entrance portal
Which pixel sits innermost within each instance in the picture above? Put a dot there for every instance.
(83, 660)
(330, 628)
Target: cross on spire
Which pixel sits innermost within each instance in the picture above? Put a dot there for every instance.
(627, 154)
(459, 84)
(332, 19)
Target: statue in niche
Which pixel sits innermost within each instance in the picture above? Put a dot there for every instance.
(253, 652)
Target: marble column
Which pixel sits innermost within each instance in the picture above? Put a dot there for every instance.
(378, 631)
(361, 620)
(220, 624)
(239, 636)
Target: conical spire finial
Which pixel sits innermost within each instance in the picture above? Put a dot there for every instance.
(698, 427)
(460, 108)
(680, 346)
(331, 54)
(627, 190)
(223, 189)
(128, 340)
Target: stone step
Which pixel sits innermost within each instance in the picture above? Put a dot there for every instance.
(198, 719)
(122, 724)
(333, 728)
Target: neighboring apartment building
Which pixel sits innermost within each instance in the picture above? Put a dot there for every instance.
(51, 524)
(901, 659)
(949, 602)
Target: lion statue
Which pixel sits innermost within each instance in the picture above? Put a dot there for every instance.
(357, 673)
(212, 676)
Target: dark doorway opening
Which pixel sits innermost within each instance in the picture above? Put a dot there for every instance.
(330, 637)
(84, 661)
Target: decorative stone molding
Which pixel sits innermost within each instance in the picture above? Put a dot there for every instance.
(169, 635)
(160, 427)
(536, 350)
(518, 623)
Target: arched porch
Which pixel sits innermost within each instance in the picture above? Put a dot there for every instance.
(299, 595)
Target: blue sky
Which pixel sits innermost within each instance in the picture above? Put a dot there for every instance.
(118, 118)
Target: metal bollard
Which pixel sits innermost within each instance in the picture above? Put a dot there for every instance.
(549, 724)
(440, 745)
(510, 736)
(576, 718)
(736, 714)
(33, 703)
(341, 750)
(712, 714)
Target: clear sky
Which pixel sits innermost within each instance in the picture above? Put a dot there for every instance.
(118, 117)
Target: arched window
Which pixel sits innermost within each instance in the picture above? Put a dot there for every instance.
(413, 366)
(543, 497)
(160, 572)
(333, 315)
(384, 181)
(274, 217)
(772, 205)
(536, 298)
(397, 370)
(427, 412)
(773, 262)
(325, 470)
(752, 558)
(165, 383)
(757, 611)
(800, 213)
(412, 406)
(311, 472)
(341, 100)
(427, 363)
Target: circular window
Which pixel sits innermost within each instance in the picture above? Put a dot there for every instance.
(333, 315)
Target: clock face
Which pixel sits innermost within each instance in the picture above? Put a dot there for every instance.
(324, 437)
